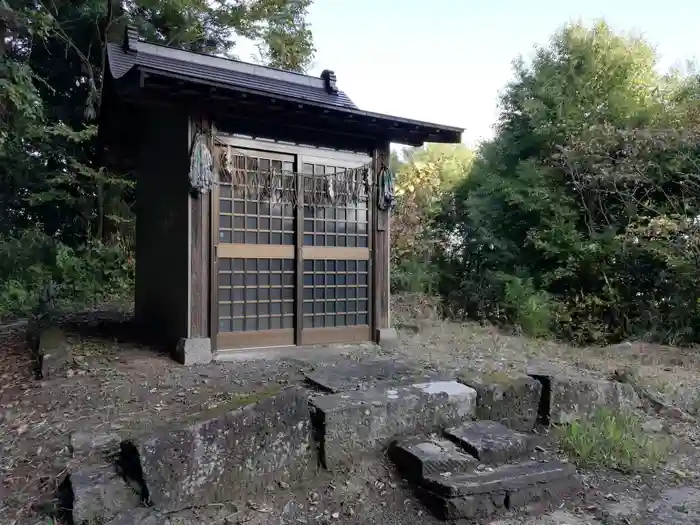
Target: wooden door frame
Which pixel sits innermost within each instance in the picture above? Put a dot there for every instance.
(300, 153)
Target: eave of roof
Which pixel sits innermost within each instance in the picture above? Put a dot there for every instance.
(198, 68)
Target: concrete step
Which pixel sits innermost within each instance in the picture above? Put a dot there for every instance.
(491, 442)
(419, 457)
(482, 494)
(452, 476)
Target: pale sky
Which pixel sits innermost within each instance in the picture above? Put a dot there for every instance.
(445, 61)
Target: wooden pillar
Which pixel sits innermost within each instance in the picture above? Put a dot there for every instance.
(380, 259)
(200, 251)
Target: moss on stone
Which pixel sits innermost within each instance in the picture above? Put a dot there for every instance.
(485, 378)
(502, 378)
(237, 401)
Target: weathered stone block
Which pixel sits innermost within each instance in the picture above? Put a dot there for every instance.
(52, 355)
(354, 423)
(504, 478)
(551, 492)
(228, 454)
(388, 338)
(676, 506)
(481, 494)
(418, 457)
(354, 375)
(567, 396)
(194, 351)
(509, 398)
(93, 446)
(491, 442)
(478, 507)
(99, 494)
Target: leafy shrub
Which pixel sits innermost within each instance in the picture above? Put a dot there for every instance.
(589, 188)
(415, 277)
(529, 309)
(84, 276)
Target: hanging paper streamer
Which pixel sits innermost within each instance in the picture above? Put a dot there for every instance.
(248, 180)
(201, 165)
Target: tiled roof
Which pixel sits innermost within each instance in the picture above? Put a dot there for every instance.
(197, 68)
(224, 71)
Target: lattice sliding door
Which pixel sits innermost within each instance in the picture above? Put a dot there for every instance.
(336, 260)
(292, 269)
(256, 252)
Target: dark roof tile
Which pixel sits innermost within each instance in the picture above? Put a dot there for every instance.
(224, 71)
(261, 80)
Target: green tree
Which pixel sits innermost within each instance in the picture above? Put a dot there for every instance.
(54, 58)
(550, 206)
(425, 180)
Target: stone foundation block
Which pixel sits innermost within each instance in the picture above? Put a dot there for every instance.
(52, 354)
(99, 494)
(355, 423)
(509, 398)
(229, 453)
(194, 351)
(388, 338)
(491, 442)
(568, 396)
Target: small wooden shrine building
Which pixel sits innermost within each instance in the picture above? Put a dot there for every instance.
(281, 236)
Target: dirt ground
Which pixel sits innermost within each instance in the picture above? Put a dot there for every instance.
(118, 384)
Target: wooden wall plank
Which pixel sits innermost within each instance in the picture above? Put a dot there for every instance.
(162, 229)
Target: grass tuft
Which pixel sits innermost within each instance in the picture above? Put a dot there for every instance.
(613, 440)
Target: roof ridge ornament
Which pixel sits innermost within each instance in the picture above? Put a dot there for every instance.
(329, 82)
(131, 37)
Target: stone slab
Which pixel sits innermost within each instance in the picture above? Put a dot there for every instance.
(194, 351)
(482, 495)
(355, 423)
(418, 457)
(99, 494)
(506, 478)
(491, 442)
(230, 453)
(353, 375)
(568, 396)
(509, 398)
